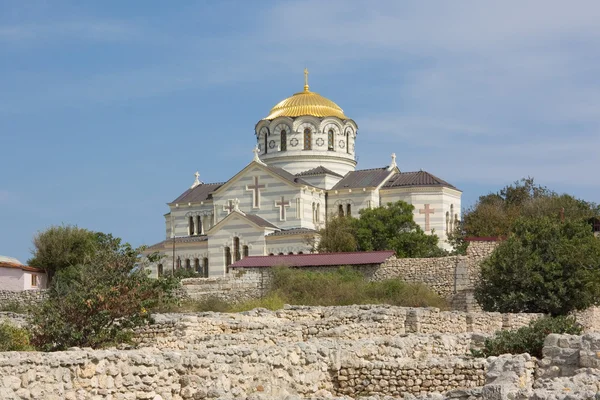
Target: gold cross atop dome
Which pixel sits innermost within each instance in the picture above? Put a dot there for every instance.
(306, 103)
(306, 79)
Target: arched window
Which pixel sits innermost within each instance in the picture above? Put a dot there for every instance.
(283, 144)
(300, 252)
(197, 265)
(314, 212)
(280, 254)
(191, 226)
(330, 140)
(271, 254)
(451, 219)
(307, 139)
(160, 270)
(290, 253)
(227, 257)
(245, 251)
(178, 262)
(341, 210)
(188, 264)
(266, 143)
(205, 266)
(447, 222)
(318, 216)
(348, 142)
(236, 248)
(348, 210)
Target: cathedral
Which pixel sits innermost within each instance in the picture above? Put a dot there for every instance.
(303, 170)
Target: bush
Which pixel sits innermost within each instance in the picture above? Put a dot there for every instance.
(98, 304)
(545, 266)
(348, 286)
(13, 338)
(273, 301)
(16, 307)
(528, 339)
(344, 286)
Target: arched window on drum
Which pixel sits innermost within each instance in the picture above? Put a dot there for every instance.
(330, 140)
(283, 143)
(307, 139)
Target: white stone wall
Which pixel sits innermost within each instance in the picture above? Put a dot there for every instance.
(223, 237)
(440, 200)
(179, 217)
(357, 198)
(27, 280)
(275, 188)
(287, 244)
(183, 251)
(12, 279)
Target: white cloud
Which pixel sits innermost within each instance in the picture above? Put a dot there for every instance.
(96, 30)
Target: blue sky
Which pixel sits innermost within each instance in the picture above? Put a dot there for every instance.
(108, 108)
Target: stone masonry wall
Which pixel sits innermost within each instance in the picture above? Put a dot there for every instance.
(452, 277)
(20, 298)
(308, 352)
(305, 323)
(304, 351)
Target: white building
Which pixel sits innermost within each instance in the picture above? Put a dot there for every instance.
(15, 276)
(304, 168)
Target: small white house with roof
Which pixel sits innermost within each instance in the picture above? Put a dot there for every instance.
(15, 276)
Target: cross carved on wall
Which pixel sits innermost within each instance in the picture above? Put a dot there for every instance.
(427, 211)
(256, 192)
(229, 207)
(282, 205)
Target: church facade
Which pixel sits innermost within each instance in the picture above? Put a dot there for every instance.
(304, 169)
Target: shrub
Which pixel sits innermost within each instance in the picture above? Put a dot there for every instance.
(528, 339)
(15, 307)
(273, 301)
(545, 266)
(399, 293)
(98, 304)
(13, 338)
(347, 286)
(344, 286)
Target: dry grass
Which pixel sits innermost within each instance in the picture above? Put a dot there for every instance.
(342, 287)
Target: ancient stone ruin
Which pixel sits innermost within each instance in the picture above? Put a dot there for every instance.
(351, 352)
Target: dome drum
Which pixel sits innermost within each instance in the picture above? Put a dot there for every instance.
(307, 130)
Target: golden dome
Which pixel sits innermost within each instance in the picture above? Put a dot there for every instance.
(306, 103)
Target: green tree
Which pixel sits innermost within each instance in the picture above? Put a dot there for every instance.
(392, 227)
(99, 302)
(495, 213)
(543, 266)
(337, 236)
(60, 247)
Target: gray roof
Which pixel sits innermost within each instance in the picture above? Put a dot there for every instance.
(286, 175)
(320, 170)
(363, 178)
(260, 221)
(183, 239)
(418, 178)
(200, 193)
(293, 231)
